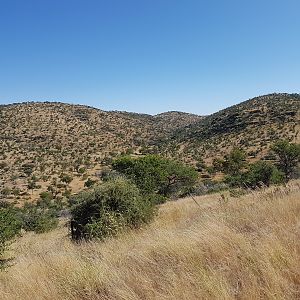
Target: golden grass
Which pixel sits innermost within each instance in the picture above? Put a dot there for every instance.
(243, 248)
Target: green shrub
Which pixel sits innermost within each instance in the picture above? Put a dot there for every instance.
(10, 225)
(89, 182)
(108, 209)
(233, 163)
(66, 178)
(157, 175)
(262, 173)
(38, 219)
(288, 157)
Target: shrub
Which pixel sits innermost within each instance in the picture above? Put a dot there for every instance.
(233, 163)
(66, 178)
(38, 220)
(10, 225)
(262, 173)
(288, 157)
(89, 182)
(157, 175)
(108, 209)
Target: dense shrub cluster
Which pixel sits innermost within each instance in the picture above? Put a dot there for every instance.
(261, 173)
(108, 209)
(10, 225)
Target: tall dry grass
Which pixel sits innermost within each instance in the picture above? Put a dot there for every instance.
(235, 248)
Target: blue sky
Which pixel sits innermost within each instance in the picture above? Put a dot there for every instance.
(148, 55)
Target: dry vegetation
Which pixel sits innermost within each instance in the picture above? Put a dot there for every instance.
(39, 142)
(42, 142)
(251, 125)
(222, 248)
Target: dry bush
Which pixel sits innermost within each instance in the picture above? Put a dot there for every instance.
(225, 248)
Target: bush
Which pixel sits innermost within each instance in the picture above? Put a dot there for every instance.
(10, 225)
(108, 209)
(232, 164)
(38, 220)
(262, 173)
(89, 182)
(157, 175)
(288, 157)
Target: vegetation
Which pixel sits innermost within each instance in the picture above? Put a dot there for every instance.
(10, 225)
(39, 141)
(108, 209)
(236, 248)
(262, 173)
(288, 156)
(37, 219)
(68, 160)
(155, 175)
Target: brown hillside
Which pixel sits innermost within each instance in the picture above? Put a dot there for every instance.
(41, 141)
(251, 125)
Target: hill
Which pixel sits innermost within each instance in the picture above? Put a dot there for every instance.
(59, 146)
(251, 125)
(222, 248)
(42, 141)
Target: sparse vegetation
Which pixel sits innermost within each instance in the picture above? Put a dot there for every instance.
(106, 175)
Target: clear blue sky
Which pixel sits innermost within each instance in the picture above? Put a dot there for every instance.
(148, 55)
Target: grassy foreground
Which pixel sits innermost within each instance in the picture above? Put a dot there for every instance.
(232, 248)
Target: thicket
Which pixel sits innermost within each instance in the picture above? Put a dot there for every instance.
(261, 173)
(128, 196)
(158, 178)
(108, 209)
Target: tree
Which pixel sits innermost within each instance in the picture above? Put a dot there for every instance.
(157, 175)
(262, 173)
(288, 157)
(234, 162)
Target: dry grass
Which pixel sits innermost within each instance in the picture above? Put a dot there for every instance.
(243, 248)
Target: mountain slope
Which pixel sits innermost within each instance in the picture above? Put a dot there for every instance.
(252, 125)
(41, 141)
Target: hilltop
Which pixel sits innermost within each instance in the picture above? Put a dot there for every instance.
(59, 146)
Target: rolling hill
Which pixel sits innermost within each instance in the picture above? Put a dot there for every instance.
(41, 143)
(251, 125)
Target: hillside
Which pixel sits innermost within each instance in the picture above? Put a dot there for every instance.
(46, 140)
(59, 146)
(222, 248)
(251, 125)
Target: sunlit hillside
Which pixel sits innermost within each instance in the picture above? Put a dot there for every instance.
(41, 143)
(210, 247)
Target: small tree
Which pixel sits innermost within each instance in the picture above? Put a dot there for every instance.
(262, 173)
(234, 162)
(288, 157)
(157, 175)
